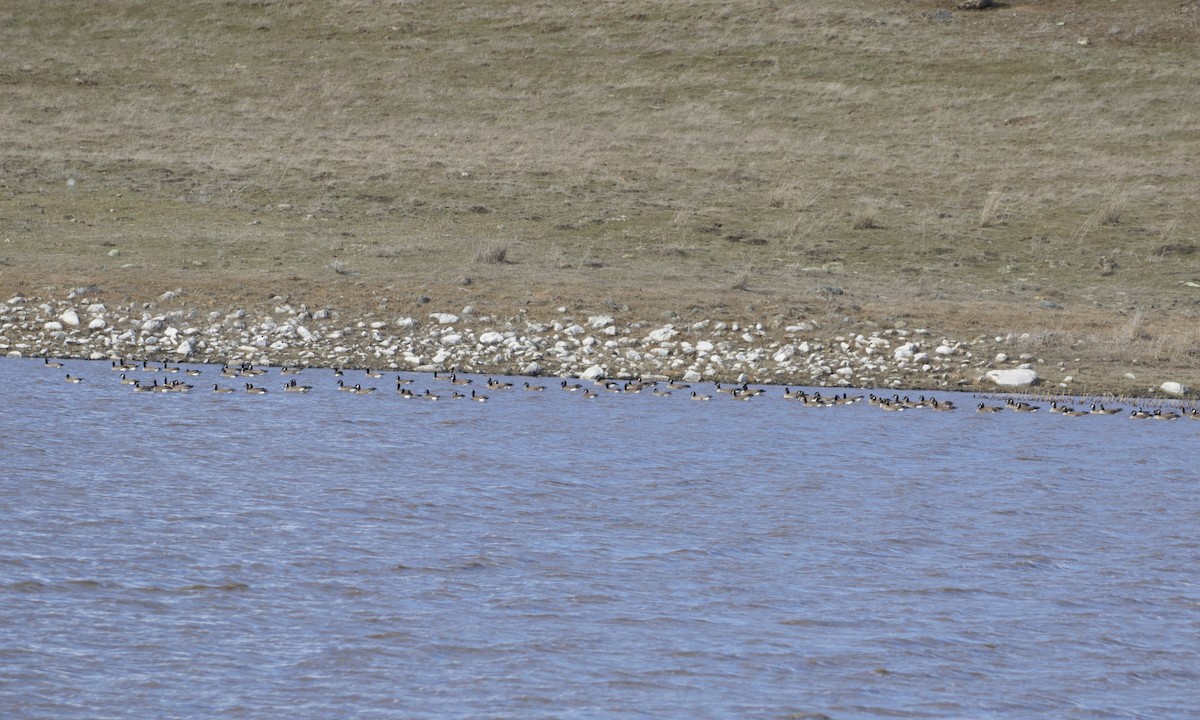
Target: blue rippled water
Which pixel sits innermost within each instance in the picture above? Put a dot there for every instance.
(541, 555)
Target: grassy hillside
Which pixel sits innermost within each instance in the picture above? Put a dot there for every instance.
(1030, 168)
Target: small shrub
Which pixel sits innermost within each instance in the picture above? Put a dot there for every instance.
(1113, 208)
(492, 254)
(864, 220)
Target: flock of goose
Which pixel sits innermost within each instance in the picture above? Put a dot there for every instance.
(247, 374)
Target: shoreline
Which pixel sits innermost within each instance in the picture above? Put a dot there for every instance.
(584, 345)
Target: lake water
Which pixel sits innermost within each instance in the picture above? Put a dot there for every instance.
(541, 555)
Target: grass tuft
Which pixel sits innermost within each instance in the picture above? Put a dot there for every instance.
(495, 253)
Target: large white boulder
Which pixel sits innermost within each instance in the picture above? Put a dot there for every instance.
(1173, 388)
(663, 334)
(1017, 377)
(592, 373)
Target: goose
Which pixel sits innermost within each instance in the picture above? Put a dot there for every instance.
(168, 369)
(180, 387)
(1192, 414)
(1023, 406)
(498, 385)
(228, 372)
(127, 380)
(789, 395)
(589, 394)
(404, 392)
(728, 390)
(119, 365)
(74, 378)
(988, 408)
(570, 388)
(1072, 412)
(192, 372)
(286, 370)
(456, 380)
(371, 374)
(429, 396)
(293, 386)
(696, 396)
(1105, 411)
(632, 388)
(360, 390)
(51, 363)
(534, 388)
(402, 381)
(255, 390)
(662, 393)
(1160, 415)
(1056, 408)
(676, 385)
(740, 394)
(139, 387)
(889, 406)
(478, 398)
(337, 372)
(1136, 414)
(940, 406)
(218, 389)
(456, 395)
(344, 387)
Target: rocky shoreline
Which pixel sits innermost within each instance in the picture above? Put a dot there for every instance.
(587, 346)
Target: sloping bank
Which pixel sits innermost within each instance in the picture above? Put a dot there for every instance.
(471, 341)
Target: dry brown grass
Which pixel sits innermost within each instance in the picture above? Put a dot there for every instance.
(943, 171)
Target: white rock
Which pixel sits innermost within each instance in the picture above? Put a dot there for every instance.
(1173, 388)
(691, 376)
(599, 321)
(184, 348)
(905, 351)
(574, 330)
(305, 334)
(944, 350)
(532, 370)
(1001, 357)
(1013, 378)
(444, 318)
(53, 326)
(491, 338)
(97, 324)
(663, 334)
(704, 346)
(451, 339)
(69, 317)
(592, 373)
(785, 353)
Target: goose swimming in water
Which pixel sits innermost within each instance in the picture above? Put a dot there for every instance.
(218, 389)
(74, 378)
(51, 363)
(295, 387)
(255, 390)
